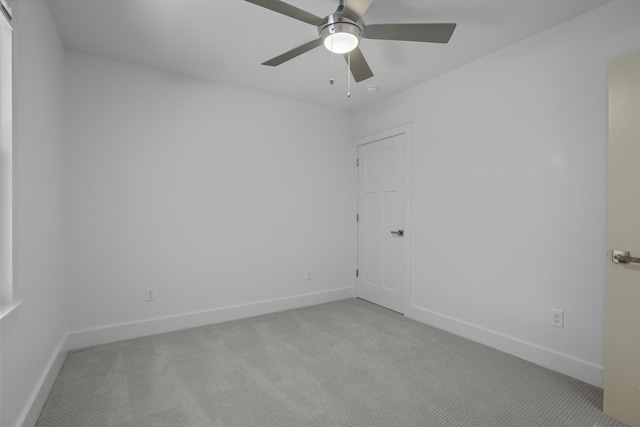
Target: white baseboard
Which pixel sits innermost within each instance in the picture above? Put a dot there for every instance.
(579, 369)
(112, 333)
(31, 412)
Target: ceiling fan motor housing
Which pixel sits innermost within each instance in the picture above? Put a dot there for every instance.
(337, 24)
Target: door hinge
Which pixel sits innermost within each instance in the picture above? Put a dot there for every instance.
(357, 217)
(357, 273)
(357, 162)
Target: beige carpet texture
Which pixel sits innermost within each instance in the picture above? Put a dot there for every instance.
(345, 363)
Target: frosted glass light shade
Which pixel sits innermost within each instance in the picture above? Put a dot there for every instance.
(341, 42)
(340, 37)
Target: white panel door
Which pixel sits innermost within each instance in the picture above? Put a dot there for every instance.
(622, 348)
(382, 228)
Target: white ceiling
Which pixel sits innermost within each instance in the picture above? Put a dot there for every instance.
(227, 40)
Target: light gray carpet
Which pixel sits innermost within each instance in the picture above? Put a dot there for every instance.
(347, 363)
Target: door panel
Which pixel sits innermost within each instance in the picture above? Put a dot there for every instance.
(382, 207)
(392, 244)
(371, 220)
(622, 347)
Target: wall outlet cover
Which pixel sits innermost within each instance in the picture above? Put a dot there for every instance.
(556, 318)
(150, 294)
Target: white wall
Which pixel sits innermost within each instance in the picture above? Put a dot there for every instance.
(509, 190)
(32, 335)
(219, 197)
(222, 198)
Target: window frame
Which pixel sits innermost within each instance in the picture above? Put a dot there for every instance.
(7, 301)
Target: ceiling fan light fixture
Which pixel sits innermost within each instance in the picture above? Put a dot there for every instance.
(341, 42)
(341, 37)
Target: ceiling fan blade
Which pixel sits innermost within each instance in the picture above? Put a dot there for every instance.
(355, 9)
(359, 67)
(293, 53)
(433, 33)
(291, 11)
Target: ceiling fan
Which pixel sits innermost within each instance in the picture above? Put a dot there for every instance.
(341, 32)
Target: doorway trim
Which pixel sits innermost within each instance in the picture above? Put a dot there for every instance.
(406, 130)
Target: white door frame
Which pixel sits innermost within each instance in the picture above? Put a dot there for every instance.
(403, 129)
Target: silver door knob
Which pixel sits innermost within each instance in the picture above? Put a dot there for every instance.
(398, 233)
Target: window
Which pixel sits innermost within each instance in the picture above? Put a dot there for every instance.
(7, 302)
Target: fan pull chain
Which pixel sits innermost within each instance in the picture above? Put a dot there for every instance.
(331, 80)
(349, 75)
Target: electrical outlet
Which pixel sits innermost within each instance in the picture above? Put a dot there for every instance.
(150, 294)
(556, 318)
(309, 274)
